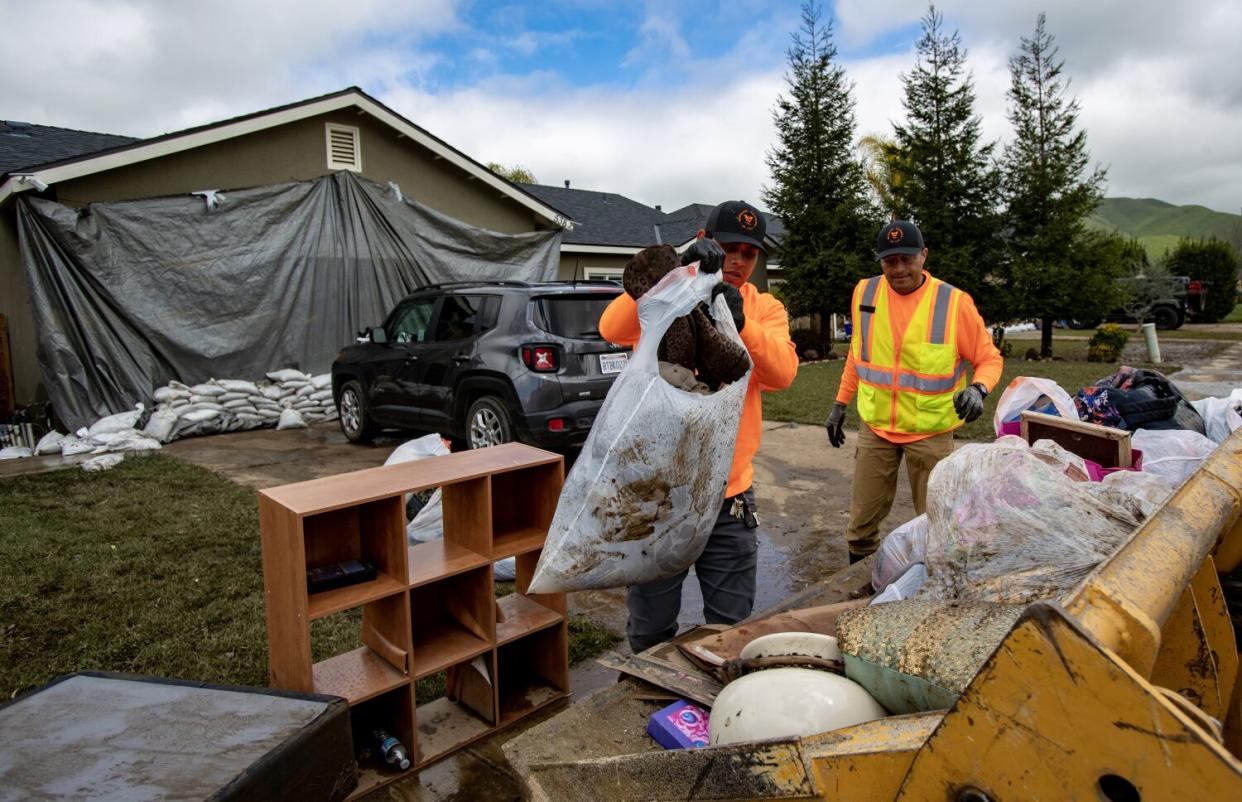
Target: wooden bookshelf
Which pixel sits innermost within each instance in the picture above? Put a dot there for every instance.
(431, 607)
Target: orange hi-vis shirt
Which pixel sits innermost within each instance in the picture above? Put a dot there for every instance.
(974, 345)
(767, 340)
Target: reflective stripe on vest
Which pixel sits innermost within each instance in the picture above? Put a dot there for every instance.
(908, 387)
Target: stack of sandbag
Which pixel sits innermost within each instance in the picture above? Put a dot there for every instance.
(112, 434)
(288, 399)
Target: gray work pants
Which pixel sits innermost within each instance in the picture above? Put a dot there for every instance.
(726, 572)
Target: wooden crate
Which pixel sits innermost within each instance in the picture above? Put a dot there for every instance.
(1104, 445)
(431, 608)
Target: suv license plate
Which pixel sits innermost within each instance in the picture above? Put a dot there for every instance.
(613, 363)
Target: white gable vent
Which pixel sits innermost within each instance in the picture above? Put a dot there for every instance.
(344, 147)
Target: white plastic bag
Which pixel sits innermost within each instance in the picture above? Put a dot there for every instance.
(291, 419)
(1024, 393)
(1220, 415)
(1006, 526)
(641, 500)
(902, 548)
(904, 586)
(1172, 453)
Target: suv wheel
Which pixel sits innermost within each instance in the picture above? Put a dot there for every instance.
(1166, 317)
(356, 424)
(488, 423)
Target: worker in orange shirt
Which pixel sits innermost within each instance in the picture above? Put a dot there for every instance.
(913, 335)
(730, 240)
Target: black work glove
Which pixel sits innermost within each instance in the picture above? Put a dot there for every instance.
(707, 252)
(733, 297)
(969, 402)
(836, 425)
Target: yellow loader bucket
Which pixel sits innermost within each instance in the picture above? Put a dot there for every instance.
(1126, 692)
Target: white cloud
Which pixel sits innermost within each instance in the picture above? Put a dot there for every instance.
(1156, 81)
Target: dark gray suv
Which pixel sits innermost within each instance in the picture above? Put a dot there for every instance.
(483, 363)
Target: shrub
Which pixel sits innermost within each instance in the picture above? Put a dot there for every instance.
(809, 340)
(1214, 262)
(1107, 343)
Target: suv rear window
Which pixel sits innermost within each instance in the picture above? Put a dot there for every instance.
(573, 316)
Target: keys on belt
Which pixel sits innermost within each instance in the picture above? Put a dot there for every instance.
(741, 510)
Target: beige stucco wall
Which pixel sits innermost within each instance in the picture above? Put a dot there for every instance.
(293, 152)
(573, 265)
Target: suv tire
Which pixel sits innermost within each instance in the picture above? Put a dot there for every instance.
(356, 424)
(1167, 317)
(488, 423)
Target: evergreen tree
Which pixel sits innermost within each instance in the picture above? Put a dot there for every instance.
(949, 185)
(817, 182)
(1049, 195)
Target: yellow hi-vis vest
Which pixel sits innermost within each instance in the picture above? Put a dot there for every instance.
(907, 387)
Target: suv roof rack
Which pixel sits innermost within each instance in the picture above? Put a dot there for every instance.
(477, 283)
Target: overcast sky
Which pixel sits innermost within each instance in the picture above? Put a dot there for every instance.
(666, 102)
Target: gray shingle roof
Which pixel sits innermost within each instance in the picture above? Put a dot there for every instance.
(25, 145)
(602, 218)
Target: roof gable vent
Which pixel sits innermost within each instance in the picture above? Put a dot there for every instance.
(344, 147)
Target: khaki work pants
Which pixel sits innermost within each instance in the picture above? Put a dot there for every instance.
(876, 463)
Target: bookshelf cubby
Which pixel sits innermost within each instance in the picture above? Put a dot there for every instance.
(431, 608)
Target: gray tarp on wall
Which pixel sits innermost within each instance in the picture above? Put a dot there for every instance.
(127, 296)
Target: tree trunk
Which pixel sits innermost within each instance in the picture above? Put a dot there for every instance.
(1045, 338)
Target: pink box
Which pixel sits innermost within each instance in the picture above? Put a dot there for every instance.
(1094, 471)
(681, 725)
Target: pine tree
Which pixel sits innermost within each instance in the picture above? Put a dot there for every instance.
(949, 186)
(1049, 194)
(817, 182)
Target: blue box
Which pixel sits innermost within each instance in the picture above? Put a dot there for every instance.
(681, 725)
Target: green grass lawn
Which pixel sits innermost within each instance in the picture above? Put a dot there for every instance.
(1235, 316)
(154, 568)
(815, 388)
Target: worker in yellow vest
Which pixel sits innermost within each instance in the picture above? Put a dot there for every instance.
(913, 335)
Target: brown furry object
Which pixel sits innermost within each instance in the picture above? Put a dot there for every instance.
(692, 341)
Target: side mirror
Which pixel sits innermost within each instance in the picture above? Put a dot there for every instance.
(378, 335)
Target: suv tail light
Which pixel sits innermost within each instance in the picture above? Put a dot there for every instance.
(541, 358)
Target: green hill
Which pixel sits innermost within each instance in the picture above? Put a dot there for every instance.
(1158, 225)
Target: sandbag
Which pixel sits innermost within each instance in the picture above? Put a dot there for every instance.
(49, 443)
(238, 386)
(116, 423)
(208, 389)
(161, 424)
(914, 656)
(291, 419)
(1006, 526)
(16, 452)
(322, 381)
(288, 375)
(643, 496)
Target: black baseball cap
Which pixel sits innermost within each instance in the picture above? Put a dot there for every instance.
(737, 221)
(899, 236)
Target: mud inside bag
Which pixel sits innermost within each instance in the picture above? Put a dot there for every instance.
(642, 498)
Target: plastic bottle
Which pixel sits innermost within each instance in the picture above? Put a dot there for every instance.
(391, 750)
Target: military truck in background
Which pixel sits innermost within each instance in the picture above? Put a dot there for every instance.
(1173, 309)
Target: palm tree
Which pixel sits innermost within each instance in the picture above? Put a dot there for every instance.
(884, 167)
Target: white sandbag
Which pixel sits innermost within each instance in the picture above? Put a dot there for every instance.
(1172, 453)
(902, 548)
(71, 446)
(161, 424)
(1032, 392)
(238, 386)
(201, 415)
(305, 391)
(178, 403)
(176, 385)
(295, 385)
(116, 423)
(288, 374)
(904, 586)
(134, 442)
(1220, 415)
(331, 414)
(322, 382)
(239, 403)
(102, 463)
(166, 394)
(643, 496)
(49, 443)
(275, 392)
(291, 419)
(269, 414)
(232, 396)
(1005, 526)
(206, 399)
(207, 388)
(306, 406)
(16, 452)
(108, 438)
(199, 407)
(322, 396)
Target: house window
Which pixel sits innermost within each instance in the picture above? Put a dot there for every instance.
(344, 147)
(602, 274)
